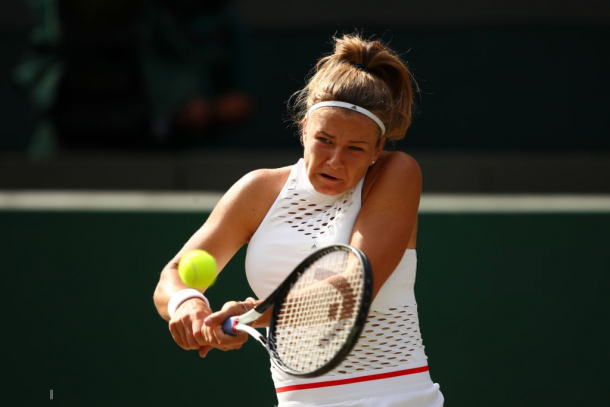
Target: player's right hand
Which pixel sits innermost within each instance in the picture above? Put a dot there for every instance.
(186, 324)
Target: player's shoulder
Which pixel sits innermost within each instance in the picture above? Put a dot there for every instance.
(396, 167)
(260, 185)
(394, 179)
(266, 178)
(250, 198)
(394, 173)
(399, 161)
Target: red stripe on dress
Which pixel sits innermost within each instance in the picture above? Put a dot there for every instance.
(352, 380)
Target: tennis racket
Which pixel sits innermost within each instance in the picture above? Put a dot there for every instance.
(318, 312)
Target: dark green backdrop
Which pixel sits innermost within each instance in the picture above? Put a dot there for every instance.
(513, 310)
(493, 87)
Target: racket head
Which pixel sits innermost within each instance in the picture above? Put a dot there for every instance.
(321, 310)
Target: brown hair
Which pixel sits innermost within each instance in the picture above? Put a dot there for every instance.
(364, 73)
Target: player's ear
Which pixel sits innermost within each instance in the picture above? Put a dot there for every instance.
(379, 148)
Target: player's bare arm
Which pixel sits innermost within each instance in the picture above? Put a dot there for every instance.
(387, 221)
(230, 225)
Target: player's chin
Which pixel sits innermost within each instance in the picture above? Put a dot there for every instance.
(331, 186)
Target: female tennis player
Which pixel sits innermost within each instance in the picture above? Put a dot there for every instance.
(345, 189)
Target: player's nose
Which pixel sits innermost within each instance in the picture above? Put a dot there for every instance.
(335, 158)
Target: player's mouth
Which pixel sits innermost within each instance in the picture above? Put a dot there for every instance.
(329, 177)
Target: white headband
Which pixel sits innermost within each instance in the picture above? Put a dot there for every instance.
(361, 110)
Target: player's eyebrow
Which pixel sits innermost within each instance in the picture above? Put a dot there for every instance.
(330, 136)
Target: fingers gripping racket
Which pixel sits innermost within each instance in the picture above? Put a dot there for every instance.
(318, 312)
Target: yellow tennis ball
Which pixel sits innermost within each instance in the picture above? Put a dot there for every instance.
(197, 269)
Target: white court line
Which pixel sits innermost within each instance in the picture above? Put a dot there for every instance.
(205, 202)
(448, 203)
(109, 201)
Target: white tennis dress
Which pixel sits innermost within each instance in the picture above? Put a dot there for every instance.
(388, 366)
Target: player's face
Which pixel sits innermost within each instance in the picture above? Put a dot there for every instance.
(340, 146)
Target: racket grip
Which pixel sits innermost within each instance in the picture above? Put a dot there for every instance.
(229, 326)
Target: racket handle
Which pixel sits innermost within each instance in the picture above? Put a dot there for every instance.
(229, 326)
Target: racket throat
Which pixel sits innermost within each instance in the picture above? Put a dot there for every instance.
(252, 332)
(242, 325)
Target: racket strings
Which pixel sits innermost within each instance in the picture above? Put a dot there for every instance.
(319, 312)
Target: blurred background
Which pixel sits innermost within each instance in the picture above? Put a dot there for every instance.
(122, 122)
(514, 94)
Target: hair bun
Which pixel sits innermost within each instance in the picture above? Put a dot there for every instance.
(365, 73)
(362, 67)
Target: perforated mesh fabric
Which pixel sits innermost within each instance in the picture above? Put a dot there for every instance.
(311, 219)
(388, 340)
